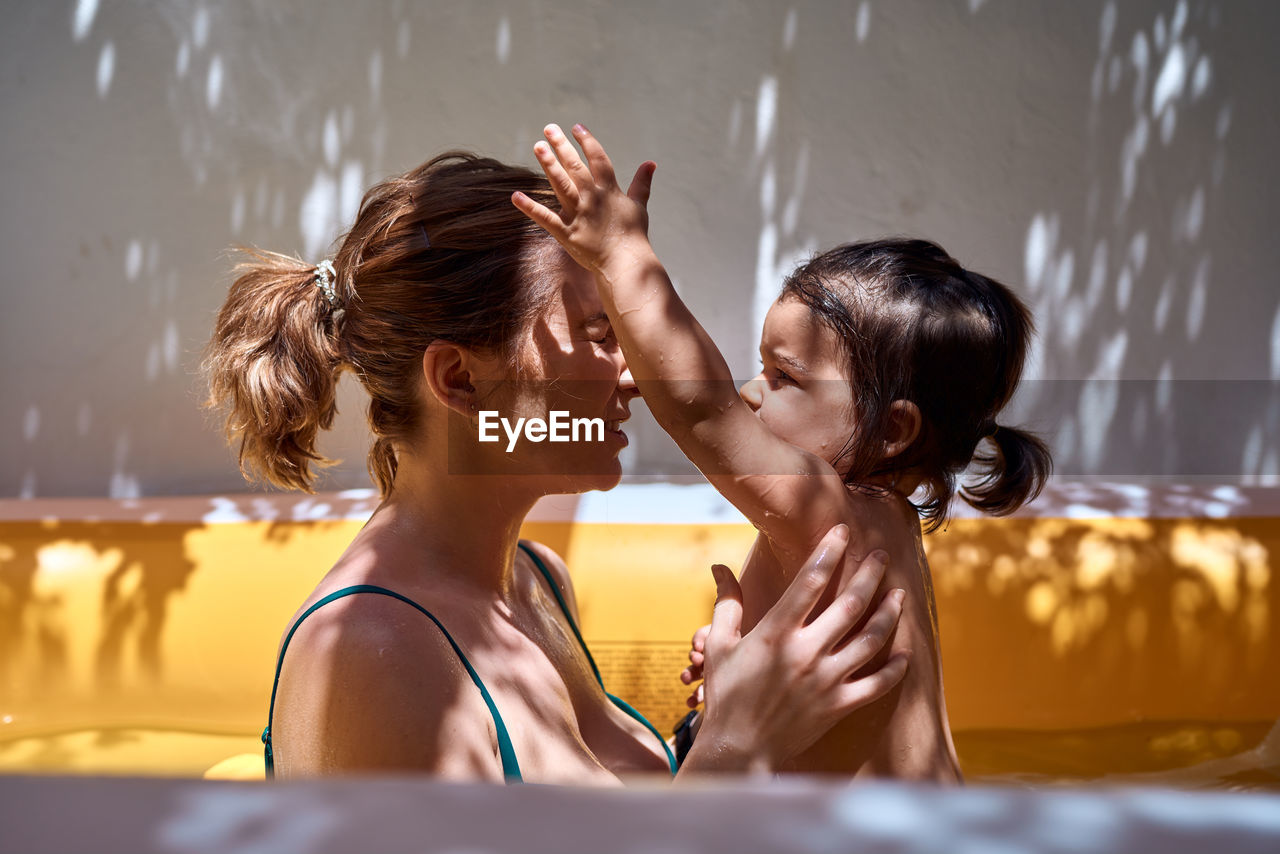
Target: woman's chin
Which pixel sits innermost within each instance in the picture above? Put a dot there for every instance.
(598, 481)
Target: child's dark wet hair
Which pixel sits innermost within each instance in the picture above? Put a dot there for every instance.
(915, 325)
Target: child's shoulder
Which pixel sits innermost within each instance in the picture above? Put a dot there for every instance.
(882, 508)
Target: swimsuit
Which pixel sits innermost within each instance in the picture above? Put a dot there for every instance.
(510, 766)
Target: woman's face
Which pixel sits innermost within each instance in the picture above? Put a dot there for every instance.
(572, 369)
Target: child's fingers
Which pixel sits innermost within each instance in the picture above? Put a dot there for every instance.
(540, 214)
(642, 183)
(568, 156)
(561, 184)
(601, 165)
(691, 674)
(699, 642)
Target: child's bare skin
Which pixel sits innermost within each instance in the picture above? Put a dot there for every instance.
(767, 451)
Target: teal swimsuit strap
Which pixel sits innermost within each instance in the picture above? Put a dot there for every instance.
(510, 767)
(617, 701)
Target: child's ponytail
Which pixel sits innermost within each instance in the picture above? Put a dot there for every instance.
(918, 327)
(273, 363)
(1011, 475)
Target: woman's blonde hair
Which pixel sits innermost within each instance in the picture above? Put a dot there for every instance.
(437, 253)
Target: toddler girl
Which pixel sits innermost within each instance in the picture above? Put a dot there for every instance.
(885, 365)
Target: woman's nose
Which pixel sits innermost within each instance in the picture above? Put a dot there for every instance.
(626, 382)
(751, 392)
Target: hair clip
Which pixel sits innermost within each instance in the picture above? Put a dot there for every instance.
(325, 274)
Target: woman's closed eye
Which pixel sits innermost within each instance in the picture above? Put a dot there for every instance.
(600, 333)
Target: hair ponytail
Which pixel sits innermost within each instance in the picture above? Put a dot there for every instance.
(383, 462)
(272, 366)
(436, 253)
(1014, 473)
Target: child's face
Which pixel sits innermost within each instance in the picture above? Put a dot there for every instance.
(802, 391)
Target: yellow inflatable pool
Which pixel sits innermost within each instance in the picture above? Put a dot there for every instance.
(1107, 631)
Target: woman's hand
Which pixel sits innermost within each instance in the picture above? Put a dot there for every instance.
(598, 224)
(772, 693)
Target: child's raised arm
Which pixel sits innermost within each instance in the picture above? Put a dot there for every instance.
(791, 495)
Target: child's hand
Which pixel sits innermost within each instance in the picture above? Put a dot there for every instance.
(598, 224)
(693, 673)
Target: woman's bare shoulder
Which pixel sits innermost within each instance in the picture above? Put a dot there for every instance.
(559, 571)
(369, 683)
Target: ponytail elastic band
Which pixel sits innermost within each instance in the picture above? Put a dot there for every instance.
(325, 274)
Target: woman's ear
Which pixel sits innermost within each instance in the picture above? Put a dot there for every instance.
(904, 426)
(448, 371)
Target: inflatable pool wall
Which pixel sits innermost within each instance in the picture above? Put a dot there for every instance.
(139, 636)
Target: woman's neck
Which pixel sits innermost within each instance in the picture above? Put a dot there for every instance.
(464, 527)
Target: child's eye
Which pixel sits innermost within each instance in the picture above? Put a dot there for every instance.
(778, 374)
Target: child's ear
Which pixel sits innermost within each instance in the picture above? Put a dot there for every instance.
(448, 371)
(904, 426)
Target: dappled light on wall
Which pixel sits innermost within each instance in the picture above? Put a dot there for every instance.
(1151, 614)
(1124, 287)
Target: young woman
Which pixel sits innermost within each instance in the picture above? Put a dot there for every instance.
(439, 641)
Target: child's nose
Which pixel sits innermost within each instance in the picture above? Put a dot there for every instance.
(751, 392)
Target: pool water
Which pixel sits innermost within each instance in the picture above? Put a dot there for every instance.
(1191, 755)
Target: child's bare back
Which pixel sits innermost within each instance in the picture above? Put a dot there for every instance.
(906, 734)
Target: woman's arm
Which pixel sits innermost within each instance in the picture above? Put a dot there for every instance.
(679, 370)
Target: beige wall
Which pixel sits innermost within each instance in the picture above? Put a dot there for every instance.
(1114, 162)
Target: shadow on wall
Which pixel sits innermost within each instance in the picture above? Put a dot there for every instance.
(1139, 278)
(153, 616)
(1071, 623)
(1159, 339)
(58, 577)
